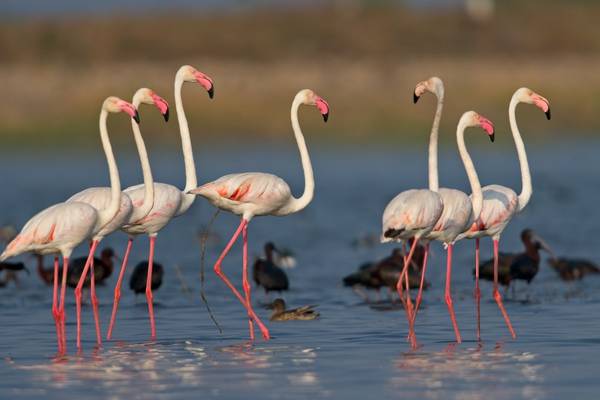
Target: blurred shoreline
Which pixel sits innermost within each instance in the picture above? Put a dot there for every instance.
(364, 61)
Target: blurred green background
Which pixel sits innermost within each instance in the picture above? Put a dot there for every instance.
(60, 59)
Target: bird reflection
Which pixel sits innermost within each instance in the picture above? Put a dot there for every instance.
(464, 369)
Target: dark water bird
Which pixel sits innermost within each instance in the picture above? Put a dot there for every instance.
(103, 268)
(267, 274)
(573, 269)
(519, 266)
(11, 269)
(304, 313)
(137, 282)
(385, 272)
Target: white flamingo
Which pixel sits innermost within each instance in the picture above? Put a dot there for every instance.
(253, 194)
(63, 226)
(414, 213)
(460, 210)
(169, 201)
(500, 203)
(101, 198)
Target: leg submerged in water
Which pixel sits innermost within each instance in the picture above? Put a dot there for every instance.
(497, 295)
(117, 295)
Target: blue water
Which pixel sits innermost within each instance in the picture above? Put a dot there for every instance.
(356, 350)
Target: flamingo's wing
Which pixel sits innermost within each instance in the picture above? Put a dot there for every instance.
(248, 187)
(53, 227)
(457, 210)
(499, 205)
(411, 211)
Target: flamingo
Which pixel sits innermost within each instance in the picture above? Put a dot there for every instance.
(501, 204)
(63, 226)
(460, 210)
(254, 194)
(102, 198)
(169, 201)
(412, 214)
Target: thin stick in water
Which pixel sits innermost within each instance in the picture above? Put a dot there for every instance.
(203, 240)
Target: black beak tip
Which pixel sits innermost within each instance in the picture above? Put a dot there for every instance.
(325, 117)
(492, 137)
(548, 115)
(136, 117)
(166, 115)
(211, 92)
(415, 98)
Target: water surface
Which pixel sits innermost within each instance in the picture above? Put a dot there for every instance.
(356, 350)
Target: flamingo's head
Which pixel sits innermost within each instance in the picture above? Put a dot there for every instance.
(187, 73)
(525, 95)
(148, 96)
(115, 105)
(471, 118)
(310, 98)
(432, 85)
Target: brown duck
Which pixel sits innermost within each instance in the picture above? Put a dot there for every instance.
(304, 313)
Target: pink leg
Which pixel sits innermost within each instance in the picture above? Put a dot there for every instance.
(422, 283)
(79, 288)
(94, 300)
(477, 290)
(61, 311)
(118, 289)
(245, 281)
(448, 295)
(497, 295)
(149, 288)
(55, 312)
(220, 274)
(404, 276)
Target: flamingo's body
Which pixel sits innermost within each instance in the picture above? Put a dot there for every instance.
(99, 198)
(168, 200)
(249, 193)
(412, 213)
(254, 194)
(501, 204)
(62, 227)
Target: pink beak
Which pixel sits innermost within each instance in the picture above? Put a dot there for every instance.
(487, 126)
(206, 83)
(162, 105)
(323, 107)
(130, 110)
(542, 103)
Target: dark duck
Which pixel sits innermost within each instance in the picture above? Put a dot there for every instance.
(520, 266)
(296, 314)
(573, 269)
(385, 272)
(103, 268)
(267, 274)
(137, 282)
(10, 274)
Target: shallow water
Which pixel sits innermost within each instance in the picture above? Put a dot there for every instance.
(355, 350)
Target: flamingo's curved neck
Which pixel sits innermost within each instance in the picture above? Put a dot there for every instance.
(526, 188)
(186, 145)
(107, 214)
(148, 203)
(297, 204)
(433, 142)
(476, 196)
